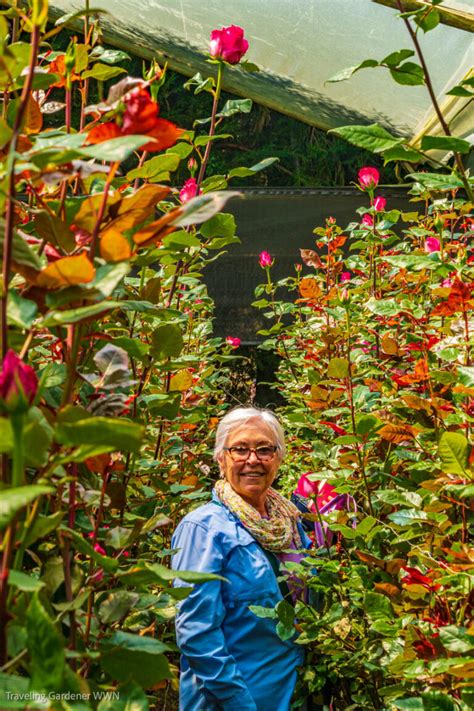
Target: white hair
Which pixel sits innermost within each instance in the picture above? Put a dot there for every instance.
(241, 416)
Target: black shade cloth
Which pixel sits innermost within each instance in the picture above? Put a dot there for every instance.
(279, 221)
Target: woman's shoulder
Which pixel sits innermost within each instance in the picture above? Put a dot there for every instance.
(210, 516)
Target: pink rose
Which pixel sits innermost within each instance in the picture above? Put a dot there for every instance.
(432, 244)
(228, 44)
(233, 341)
(18, 384)
(368, 178)
(98, 549)
(379, 203)
(368, 220)
(298, 267)
(345, 276)
(265, 260)
(189, 190)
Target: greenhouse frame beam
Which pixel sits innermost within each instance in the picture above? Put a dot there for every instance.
(448, 16)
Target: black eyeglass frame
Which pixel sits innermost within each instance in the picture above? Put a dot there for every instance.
(274, 447)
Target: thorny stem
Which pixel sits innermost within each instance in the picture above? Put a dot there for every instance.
(9, 215)
(212, 129)
(352, 411)
(434, 101)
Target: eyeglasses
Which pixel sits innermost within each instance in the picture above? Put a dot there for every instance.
(241, 454)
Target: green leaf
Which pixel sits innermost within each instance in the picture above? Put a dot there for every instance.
(131, 698)
(221, 225)
(408, 74)
(109, 56)
(22, 253)
(181, 240)
(394, 59)
(236, 106)
(338, 368)
(453, 452)
(25, 583)
(120, 433)
(5, 133)
(428, 20)
(167, 341)
(377, 607)
(20, 312)
(263, 612)
(373, 138)
(42, 526)
(456, 639)
(438, 701)
(437, 181)
(402, 152)
(203, 207)
(445, 143)
(135, 348)
(136, 658)
(110, 565)
(14, 499)
(366, 424)
(246, 172)
(204, 140)
(117, 605)
(37, 438)
(102, 72)
(45, 646)
(6, 435)
(406, 517)
(167, 162)
(346, 73)
(115, 149)
(413, 703)
(61, 318)
(466, 375)
(155, 574)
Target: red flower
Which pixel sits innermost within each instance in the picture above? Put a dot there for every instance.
(18, 384)
(140, 117)
(345, 276)
(368, 178)
(265, 260)
(415, 577)
(432, 244)
(189, 190)
(368, 220)
(228, 44)
(233, 341)
(379, 203)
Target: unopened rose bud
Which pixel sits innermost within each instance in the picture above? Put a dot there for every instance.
(18, 384)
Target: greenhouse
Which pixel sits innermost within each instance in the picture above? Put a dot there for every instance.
(236, 369)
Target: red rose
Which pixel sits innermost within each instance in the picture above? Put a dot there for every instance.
(228, 44)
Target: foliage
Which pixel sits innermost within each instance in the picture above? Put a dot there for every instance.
(111, 379)
(375, 342)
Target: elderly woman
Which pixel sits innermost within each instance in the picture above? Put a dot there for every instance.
(232, 659)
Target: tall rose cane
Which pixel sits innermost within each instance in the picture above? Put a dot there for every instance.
(227, 45)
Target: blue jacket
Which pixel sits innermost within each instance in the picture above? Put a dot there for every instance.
(232, 660)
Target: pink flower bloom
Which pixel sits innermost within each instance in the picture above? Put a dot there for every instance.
(345, 276)
(447, 283)
(189, 190)
(265, 260)
(233, 341)
(331, 221)
(98, 549)
(379, 203)
(228, 44)
(368, 178)
(18, 384)
(298, 267)
(368, 220)
(432, 244)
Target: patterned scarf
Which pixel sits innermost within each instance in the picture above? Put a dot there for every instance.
(276, 533)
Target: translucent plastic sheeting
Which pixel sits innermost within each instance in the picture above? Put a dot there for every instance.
(299, 45)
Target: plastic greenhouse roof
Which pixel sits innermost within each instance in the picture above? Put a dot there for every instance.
(299, 45)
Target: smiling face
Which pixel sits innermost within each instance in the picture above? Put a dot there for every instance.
(252, 478)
